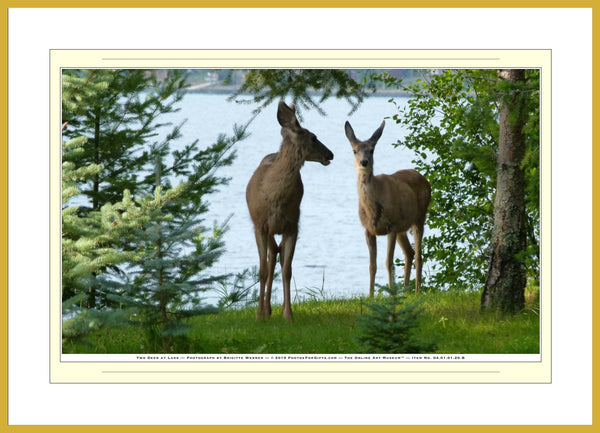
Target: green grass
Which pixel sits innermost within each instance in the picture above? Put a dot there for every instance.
(453, 321)
(318, 327)
(457, 325)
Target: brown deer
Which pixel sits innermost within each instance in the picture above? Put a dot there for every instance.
(389, 205)
(273, 195)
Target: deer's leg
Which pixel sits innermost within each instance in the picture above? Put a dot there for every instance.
(287, 247)
(418, 235)
(409, 254)
(389, 261)
(372, 244)
(272, 253)
(261, 244)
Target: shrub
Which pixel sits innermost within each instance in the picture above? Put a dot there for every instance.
(389, 327)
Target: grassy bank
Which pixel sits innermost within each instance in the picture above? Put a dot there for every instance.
(453, 321)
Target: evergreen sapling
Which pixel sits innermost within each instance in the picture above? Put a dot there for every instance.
(390, 325)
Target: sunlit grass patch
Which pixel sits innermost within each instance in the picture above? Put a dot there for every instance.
(454, 321)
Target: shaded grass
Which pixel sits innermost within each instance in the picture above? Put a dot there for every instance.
(457, 325)
(452, 320)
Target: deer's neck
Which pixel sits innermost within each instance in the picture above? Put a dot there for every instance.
(282, 184)
(288, 162)
(366, 186)
(369, 207)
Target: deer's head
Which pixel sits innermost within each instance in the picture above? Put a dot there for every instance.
(363, 150)
(305, 141)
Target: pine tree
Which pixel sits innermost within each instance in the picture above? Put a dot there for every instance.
(166, 284)
(390, 326)
(86, 251)
(119, 112)
(154, 230)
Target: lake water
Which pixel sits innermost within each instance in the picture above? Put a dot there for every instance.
(331, 251)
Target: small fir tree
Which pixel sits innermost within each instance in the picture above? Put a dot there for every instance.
(390, 326)
(166, 284)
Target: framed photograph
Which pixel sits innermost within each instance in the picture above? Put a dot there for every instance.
(327, 217)
(331, 264)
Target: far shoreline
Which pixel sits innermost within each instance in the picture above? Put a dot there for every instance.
(221, 89)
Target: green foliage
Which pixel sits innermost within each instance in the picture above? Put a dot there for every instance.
(268, 85)
(87, 250)
(162, 286)
(118, 111)
(137, 251)
(238, 290)
(85, 239)
(390, 326)
(178, 249)
(452, 124)
(90, 320)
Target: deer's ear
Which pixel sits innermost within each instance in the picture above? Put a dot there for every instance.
(350, 132)
(286, 116)
(377, 134)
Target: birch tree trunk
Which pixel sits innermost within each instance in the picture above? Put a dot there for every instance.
(505, 286)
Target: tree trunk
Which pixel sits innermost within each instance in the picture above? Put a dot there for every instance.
(505, 286)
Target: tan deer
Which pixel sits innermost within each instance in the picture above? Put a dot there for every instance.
(273, 195)
(389, 205)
